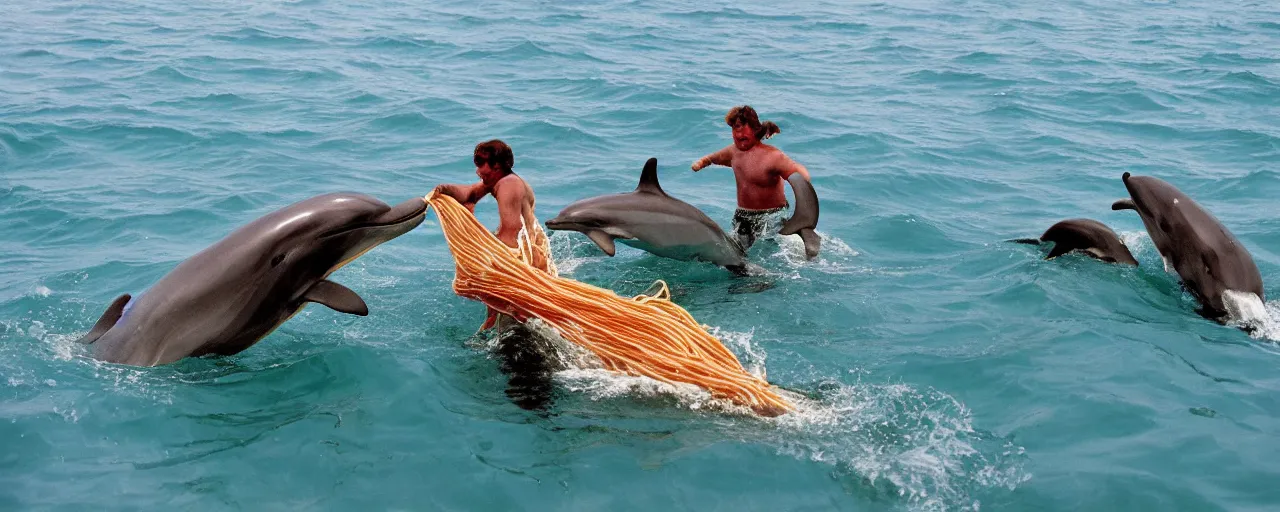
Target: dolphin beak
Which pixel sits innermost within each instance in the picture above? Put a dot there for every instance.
(409, 212)
(555, 224)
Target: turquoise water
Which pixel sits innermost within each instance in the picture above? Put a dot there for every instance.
(947, 368)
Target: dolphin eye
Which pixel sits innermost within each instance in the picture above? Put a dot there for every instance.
(277, 260)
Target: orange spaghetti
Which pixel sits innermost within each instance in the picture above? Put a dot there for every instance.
(644, 335)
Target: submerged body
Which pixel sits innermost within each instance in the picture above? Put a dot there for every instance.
(1208, 258)
(225, 298)
(1086, 236)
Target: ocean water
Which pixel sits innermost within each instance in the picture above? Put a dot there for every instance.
(944, 368)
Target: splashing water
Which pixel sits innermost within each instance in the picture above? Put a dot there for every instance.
(1247, 311)
(899, 443)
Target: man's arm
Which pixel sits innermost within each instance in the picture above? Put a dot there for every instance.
(468, 195)
(723, 157)
(510, 213)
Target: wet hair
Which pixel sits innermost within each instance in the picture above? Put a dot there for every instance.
(744, 114)
(495, 153)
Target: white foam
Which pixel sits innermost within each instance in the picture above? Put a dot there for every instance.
(918, 445)
(1246, 310)
(834, 256)
(1136, 240)
(562, 247)
(43, 291)
(751, 357)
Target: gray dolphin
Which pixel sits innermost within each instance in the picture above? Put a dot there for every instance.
(805, 218)
(1205, 254)
(225, 298)
(1087, 236)
(649, 219)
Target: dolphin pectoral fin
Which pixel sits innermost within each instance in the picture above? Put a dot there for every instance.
(107, 320)
(1058, 250)
(812, 243)
(603, 240)
(1124, 204)
(337, 297)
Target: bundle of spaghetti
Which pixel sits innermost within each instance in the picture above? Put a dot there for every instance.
(647, 335)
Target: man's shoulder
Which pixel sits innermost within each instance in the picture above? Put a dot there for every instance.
(511, 184)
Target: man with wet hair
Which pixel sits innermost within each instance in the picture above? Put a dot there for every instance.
(759, 169)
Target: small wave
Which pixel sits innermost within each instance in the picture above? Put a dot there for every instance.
(1235, 59)
(166, 74)
(406, 121)
(365, 98)
(732, 14)
(34, 53)
(524, 50)
(978, 57)
(547, 130)
(263, 73)
(90, 42)
(1248, 78)
(1018, 25)
(27, 146)
(256, 37)
(404, 43)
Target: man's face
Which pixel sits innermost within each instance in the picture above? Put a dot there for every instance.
(744, 137)
(488, 174)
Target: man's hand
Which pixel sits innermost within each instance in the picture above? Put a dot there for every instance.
(701, 164)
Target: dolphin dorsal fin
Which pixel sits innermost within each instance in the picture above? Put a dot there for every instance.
(108, 320)
(649, 179)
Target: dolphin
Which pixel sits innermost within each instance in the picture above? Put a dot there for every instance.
(1087, 236)
(1204, 253)
(225, 298)
(805, 217)
(649, 219)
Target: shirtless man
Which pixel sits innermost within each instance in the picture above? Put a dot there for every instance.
(523, 359)
(759, 169)
(493, 161)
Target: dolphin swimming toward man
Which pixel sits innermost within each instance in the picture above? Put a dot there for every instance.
(225, 298)
(649, 219)
(1086, 236)
(1208, 258)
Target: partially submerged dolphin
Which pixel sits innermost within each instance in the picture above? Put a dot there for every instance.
(1086, 236)
(225, 298)
(649, 219)
(805, 217)
(1205, 254)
